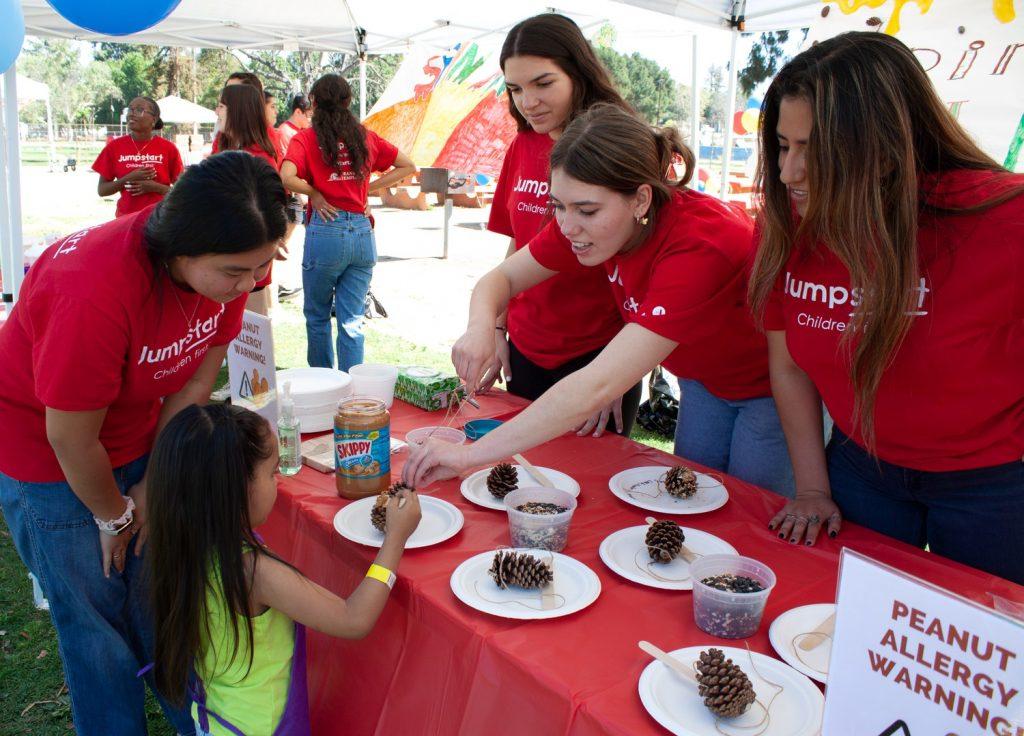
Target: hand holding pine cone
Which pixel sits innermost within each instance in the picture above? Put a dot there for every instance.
(379, 512)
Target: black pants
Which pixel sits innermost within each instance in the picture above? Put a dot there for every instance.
(529, 381)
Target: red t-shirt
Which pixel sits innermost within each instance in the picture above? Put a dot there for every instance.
(570, 314)
(953, 396)
(340, 187)
(76, 342)
(286, 131)
(687, 282)
(123, 155)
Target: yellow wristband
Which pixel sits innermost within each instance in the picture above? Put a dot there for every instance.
(381, 573)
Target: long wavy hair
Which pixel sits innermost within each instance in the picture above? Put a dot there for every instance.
(246, 122)
(612, 148)
(879, 132)
(198, 498)
(558, 38)
(334, 122)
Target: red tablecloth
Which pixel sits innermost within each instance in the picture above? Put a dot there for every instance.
(433, 665)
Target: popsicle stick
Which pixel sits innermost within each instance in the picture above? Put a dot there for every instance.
(819, 633)
(685, 552)
(532, 470)
(669, 661)
(547, 593)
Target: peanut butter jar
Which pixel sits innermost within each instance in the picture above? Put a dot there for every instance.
(362, 447)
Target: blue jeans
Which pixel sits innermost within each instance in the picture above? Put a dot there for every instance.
(742, 438)
(337, 265)
(971, 516)
(104, 626)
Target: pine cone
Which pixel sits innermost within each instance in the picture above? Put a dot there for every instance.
(519, 569)
(681, 482)
(379, 514)
(664, 540)
(726, 689)
(502, 480)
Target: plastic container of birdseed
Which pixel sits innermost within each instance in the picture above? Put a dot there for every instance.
(727, 601)
(539, 517)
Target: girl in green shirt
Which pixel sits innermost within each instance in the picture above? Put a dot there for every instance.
(226, 606)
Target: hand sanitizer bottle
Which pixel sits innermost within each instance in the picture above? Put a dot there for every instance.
(288, 440)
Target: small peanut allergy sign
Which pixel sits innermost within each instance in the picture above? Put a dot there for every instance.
(912, 659)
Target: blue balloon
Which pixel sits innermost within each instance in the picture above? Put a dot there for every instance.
(12, 32)
(114, 17)
(753, 104)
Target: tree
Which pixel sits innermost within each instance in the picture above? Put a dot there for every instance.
(645, 85)
(766, 57)
(284, 75)
(75, 88)
(713, 98)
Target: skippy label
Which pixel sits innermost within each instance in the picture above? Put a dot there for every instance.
(360, 454)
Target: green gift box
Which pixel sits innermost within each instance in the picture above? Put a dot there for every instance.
(427, 388)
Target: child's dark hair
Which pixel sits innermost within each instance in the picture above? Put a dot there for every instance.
(230, 203)
(198, 513)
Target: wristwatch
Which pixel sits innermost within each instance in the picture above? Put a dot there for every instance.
(123, 522)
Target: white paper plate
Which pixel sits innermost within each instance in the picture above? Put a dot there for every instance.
(710, 494)
(440, 521)
(474, 487)
(674, 703)
(315, 387)
(625, 553)
(794, 622)
(574, 581)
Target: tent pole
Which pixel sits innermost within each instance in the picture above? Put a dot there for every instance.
(49, 132)
(730, 111)
(362, 86)
(695, 113)
(10, 210)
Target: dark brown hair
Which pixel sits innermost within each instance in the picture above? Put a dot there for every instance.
(247, 78)
(334, 122)
(246, 122)
(612, 148)
(199, 531)
(878, 130)
(555, 37)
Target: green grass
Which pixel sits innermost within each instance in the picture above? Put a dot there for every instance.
(38, 153)
(32, 698)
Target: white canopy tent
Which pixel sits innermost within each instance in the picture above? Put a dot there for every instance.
(174, 109)
(365, 27)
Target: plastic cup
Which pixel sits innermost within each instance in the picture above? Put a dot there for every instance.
(724, 614)
(448, 434)
(376, 380)
(539, 531)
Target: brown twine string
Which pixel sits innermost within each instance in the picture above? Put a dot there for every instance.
(525, 603)
(454, 399)
(650, 571)
(633, 493)
(796, 650)
(766, 720)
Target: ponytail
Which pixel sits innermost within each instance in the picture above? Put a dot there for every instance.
(612, 148)
(334, 122)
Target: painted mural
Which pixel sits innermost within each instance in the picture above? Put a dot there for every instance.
(448, 110)
(973, 50)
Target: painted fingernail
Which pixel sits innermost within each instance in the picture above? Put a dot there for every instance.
(808, 543)
(833, 534)
(781, 535)
(792, 540)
